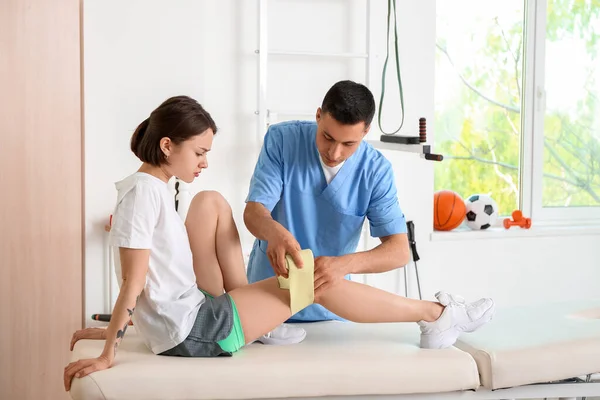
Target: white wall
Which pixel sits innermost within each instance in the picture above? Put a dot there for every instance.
(140, 52)
(134, 58)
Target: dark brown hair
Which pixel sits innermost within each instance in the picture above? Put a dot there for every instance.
(179, 118)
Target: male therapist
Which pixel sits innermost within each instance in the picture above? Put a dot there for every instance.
(313, 186)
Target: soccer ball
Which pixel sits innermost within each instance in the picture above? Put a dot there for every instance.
(482, 211)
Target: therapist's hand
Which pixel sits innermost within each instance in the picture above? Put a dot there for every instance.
(278, 246)
(329, 271)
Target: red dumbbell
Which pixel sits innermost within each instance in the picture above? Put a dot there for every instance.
(517, 220)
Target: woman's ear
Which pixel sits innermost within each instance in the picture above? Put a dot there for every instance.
(166, 145)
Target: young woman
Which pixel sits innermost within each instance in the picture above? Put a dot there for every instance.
(184, 284)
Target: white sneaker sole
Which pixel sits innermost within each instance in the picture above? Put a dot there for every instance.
(280, 342)
(487, 316)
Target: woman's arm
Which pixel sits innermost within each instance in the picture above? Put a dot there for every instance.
(134, 264)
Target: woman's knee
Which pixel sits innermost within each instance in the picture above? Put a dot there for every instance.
(210, 199)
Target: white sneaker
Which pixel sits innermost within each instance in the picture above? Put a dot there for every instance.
(446, 298)
(457, 317)
(282, 335)
(473, 309)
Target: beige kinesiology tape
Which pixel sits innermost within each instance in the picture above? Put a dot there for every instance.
(300, 281)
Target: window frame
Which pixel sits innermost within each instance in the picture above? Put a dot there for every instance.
(532, 137)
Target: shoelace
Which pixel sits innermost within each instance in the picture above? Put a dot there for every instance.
(452, 298)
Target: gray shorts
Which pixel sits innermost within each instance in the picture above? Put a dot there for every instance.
(214, 323)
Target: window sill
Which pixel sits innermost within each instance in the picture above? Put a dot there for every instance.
(515, 232)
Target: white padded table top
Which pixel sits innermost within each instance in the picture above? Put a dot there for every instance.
(336, 358)
(529, 345)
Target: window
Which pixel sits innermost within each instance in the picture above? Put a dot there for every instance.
(517, 104)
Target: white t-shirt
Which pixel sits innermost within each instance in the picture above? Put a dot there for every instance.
(330, 172)
(145, 218)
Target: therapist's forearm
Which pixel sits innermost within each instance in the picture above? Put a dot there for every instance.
(392, 253)
(259, 222)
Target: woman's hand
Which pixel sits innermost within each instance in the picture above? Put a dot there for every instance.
(81, 368)
(88, 333)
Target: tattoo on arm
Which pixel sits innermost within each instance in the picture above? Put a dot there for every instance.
(121, 332)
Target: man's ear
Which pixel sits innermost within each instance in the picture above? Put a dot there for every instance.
(367, 130)
(318, 115)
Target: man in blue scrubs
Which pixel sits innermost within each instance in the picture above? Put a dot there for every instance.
(313, 186)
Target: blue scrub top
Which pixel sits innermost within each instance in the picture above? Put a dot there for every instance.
(289, 181)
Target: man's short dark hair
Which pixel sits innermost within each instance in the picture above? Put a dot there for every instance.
(349, 103)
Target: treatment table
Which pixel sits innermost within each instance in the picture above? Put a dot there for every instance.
(525, 352)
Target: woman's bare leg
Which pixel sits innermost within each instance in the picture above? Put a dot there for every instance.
(215, 244)
(262, 306)
(362, 303)
(219, 267)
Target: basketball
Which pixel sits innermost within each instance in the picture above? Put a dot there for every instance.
(449, 210)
